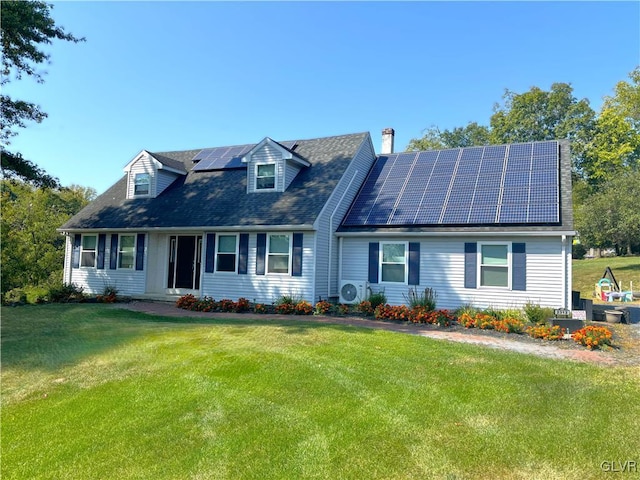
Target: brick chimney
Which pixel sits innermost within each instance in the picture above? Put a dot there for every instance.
(387, 141)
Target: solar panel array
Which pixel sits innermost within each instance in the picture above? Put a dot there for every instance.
(501, 184)
(224, 158)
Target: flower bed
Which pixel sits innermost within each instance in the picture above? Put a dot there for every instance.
(592, 337)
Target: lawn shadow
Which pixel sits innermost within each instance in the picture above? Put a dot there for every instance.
(48, 337)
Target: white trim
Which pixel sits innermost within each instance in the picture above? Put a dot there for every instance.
(135, 244)
(457, 233)
(406, 262)
(290, 254)
(508, 266)
(285, 153)
(275, 177)
(187, 230)
(82, 250)
(216, 253)
(141, 195)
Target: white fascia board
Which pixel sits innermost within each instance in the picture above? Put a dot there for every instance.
(500, 233)
(210, 228)
(135, 159)
(286, 154)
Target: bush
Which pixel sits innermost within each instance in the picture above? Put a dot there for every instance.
(260, 308)
(16, 296)
(109, 295)
(303, 308)
(365, 308)
(426, 299)
(392, 312)
(593, 337)
(322, 308)
(546, 332)
(509, 325)
(537, 314)
(66, 293)
(377, 299)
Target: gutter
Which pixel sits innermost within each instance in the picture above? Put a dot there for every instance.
(465, 233)
(236, 228)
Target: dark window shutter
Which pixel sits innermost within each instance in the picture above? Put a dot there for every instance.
(296, 264)
(75, 257)
(140, 252)
(519, 266)
(414, 263)
(243, 251)
(261, 251)
(102, 240)
(210, 253)
(113, 254)
(470, 264)
(374, 252)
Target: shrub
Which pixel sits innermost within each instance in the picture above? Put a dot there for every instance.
(546, 332)
(66, 293)
(365, 308)
(377, 299)
(426, 299)
(593, 337)
(15, 296)
(186, 302)
(226, 305)
(467, 320)
(392, 312)
(509, 325)
(109, 295)
(303, 308)
(260, 308)
(344, 309)
(537, 314)
(322, 308)
(467, 309)
(285, 308)
(243, 305)
(434, 317)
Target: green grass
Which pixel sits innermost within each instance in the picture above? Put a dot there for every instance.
(93, 391)
(587, 272)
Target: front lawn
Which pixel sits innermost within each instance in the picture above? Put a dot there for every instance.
(95, 391)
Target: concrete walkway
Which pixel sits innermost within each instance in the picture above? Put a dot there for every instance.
(524, 345)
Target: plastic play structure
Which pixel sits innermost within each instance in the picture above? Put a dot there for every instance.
(608, 289)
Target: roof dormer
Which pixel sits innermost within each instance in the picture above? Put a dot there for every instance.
(148, 175)
(271, 167)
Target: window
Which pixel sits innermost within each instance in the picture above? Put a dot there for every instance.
(266, 176)
(141, 184)
(278, 253)
(393, 262)
(126, 251)
(494, 265)
(88, 254)
(227, 253)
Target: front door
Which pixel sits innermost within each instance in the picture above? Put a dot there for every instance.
(185, 253)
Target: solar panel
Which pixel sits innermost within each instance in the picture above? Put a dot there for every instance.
(224, 158)
(497, 184)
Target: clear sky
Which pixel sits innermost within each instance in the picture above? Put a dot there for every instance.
(165, 76)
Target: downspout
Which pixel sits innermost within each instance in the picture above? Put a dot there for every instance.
(331, 232)
(564, 272)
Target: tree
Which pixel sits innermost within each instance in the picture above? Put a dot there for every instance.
(535, 115)
(610, 217)
(25, 26)
(472, 134)
(32, 249)
(614, 146)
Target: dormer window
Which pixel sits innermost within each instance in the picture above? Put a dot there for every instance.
(142, 184)
(266, 176)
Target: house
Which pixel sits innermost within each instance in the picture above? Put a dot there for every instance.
(328, 218)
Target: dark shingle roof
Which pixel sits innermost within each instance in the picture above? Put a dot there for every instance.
(220, 198)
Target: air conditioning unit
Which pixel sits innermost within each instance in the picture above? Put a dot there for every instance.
(352, 291)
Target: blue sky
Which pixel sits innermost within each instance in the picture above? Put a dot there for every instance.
(165, 76)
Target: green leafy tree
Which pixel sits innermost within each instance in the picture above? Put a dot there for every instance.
(614, 146)
(25, 27)
(610, 217)
(469, 136)
(535, 115)
(32, 249)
